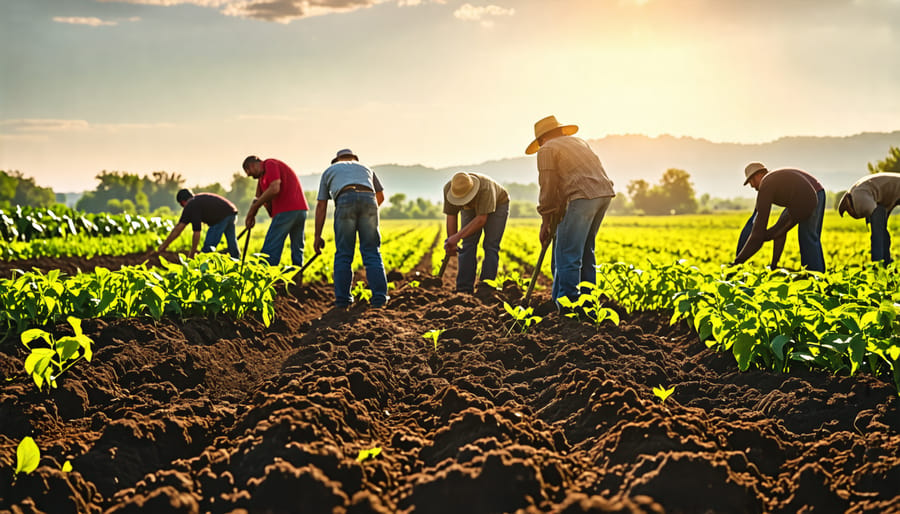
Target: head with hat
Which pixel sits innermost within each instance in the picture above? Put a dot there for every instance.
(183, 196)
(547, 129)
(345, 154)
(846, 205)
(463, 188)
(754, 173)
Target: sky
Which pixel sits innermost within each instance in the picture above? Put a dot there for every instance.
(194, 86)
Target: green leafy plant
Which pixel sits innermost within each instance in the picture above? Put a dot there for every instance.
(662, 393)
(66, 467)
(361, 292)
(433, 335)
(45, 365)
(589, 305)
(28, 455)
(365, 455)
(522, 317)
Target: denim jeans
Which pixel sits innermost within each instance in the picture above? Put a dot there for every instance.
(357, 212)
(809, 235)
(283, 224)
(493, 232)
(214, 235)
(809, 232)
(881, 239)
(573, 249)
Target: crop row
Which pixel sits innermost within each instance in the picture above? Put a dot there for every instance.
(30, 223)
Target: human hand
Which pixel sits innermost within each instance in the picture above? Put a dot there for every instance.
(450, 245)
(318, 245)
(545, 234)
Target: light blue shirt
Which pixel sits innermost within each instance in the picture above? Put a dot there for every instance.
(345, 173)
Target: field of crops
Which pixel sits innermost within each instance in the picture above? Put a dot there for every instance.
(155, 383)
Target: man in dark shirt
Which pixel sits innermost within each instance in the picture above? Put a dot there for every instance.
(209, 208)
(803, 198)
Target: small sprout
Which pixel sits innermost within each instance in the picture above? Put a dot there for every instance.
(662, 393)
(365, 455)
(27, 456)
(433, 335)
(360, 291)
(521, 316)
(494, 283)
(66, 467)
(414, 283)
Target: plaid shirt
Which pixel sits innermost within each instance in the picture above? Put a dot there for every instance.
(569, 170)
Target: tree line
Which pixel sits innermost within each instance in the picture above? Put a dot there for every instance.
(154, 194)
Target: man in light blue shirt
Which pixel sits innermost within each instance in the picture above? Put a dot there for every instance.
(356, 193)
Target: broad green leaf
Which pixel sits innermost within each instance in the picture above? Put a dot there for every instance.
(34, 333)
(743, 350)
(28, 456)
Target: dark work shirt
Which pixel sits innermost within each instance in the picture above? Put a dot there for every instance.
(793, 189)
(208, 208)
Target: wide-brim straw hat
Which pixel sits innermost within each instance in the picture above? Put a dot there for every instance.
(752, 169)
(342, 153)
(463, 188)
(546, 125)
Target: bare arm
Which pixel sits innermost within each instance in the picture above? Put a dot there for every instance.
(321, 211)
(270, 193)
(176, 231)
(379, 197)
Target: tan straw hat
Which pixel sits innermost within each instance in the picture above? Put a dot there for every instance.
(546, 125)
(463, 188)
(752, 169)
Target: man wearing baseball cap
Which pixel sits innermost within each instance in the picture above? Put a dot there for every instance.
(872, 198)
(574, 196)
(803, 198)
(483, 205)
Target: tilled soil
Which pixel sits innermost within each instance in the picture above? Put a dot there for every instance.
(220, 415)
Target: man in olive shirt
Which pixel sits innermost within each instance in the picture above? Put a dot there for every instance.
(209, 208)
(873, 197)
(574, 196)
(483, 205)
(803, 198)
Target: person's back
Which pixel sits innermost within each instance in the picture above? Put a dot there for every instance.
(290, 197)
(876, 189)
(580, 172)
(791, 188)
(208, 208)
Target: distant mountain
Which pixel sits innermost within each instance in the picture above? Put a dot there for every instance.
(715, 168)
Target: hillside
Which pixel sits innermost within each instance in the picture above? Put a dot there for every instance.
(716, 168)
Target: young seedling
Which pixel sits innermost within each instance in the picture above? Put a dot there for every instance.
(45, 365)
(360, 291)
(27, 456)
(521, 316)
(662, 393)
(433, 335)
(365, 455)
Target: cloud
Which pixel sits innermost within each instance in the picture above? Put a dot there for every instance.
(482, 14)
(279, 11)
(79, 20)
(42, 125)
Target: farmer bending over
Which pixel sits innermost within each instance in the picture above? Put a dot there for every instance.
(279, 190)
(803, 198)
(483, 205)
(357, 193)
(873, 197)
(209, 208)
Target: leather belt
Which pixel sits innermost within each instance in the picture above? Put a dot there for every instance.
(354, 187)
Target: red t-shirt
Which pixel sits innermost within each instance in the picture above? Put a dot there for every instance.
(290, 197)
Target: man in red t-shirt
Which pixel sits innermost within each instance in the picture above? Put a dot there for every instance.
(279, 190)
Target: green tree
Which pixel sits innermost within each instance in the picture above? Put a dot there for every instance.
(673, 195)
(16, 189)
(891, 163)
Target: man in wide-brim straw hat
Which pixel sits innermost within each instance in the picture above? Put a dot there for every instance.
(483, 205)
(574, 196)
(873, 197)
(803, 199)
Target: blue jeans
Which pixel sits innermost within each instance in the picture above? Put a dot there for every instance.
(284, 223)
(214, 235)
(809, 235)
(357, 212)
(493, 232)
(573, 249)
(881, 239)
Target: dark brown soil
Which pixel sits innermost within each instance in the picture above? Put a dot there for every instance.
(220, 415)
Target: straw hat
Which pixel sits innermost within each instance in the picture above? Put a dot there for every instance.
(546, 125)
(342, 153)
(463, 188)
(752, 169)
